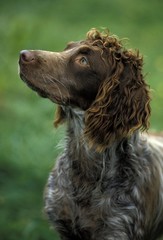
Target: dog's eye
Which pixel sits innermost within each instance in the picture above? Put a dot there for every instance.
(84, 61)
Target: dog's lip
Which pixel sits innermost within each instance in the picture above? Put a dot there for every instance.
(40, 92)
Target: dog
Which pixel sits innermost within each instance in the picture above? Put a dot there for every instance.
(108, 182)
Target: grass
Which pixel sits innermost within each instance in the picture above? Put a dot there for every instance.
(27, 137)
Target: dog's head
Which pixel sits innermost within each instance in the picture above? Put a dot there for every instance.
(98, 76)
(71, 77)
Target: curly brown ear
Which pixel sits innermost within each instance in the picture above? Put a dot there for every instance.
(121, 106)
(59, 116)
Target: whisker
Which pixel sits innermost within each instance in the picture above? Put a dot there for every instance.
(51, 79)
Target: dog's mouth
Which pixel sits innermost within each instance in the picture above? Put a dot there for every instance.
(40, 91)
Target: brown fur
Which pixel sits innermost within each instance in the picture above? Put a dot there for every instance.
(122, 103)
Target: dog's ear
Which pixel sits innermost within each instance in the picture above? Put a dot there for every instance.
(59, 116)
(121, 106)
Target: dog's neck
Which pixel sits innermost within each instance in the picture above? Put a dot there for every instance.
(75, 122)
(87, 160)
(80, 156)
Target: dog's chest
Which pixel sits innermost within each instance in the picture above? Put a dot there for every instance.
(67, 205)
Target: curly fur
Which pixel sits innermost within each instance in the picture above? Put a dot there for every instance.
(108, 182)
(122, 102)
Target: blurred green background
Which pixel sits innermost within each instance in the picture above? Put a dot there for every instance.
(27, 138)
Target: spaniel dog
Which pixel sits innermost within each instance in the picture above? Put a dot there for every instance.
(108, 182)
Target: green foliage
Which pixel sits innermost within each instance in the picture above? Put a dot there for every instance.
(27, 138)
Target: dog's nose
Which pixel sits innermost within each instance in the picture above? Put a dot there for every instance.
(26, 56)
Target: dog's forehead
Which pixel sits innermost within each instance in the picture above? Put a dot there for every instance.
(72, 45)
(81, 46)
